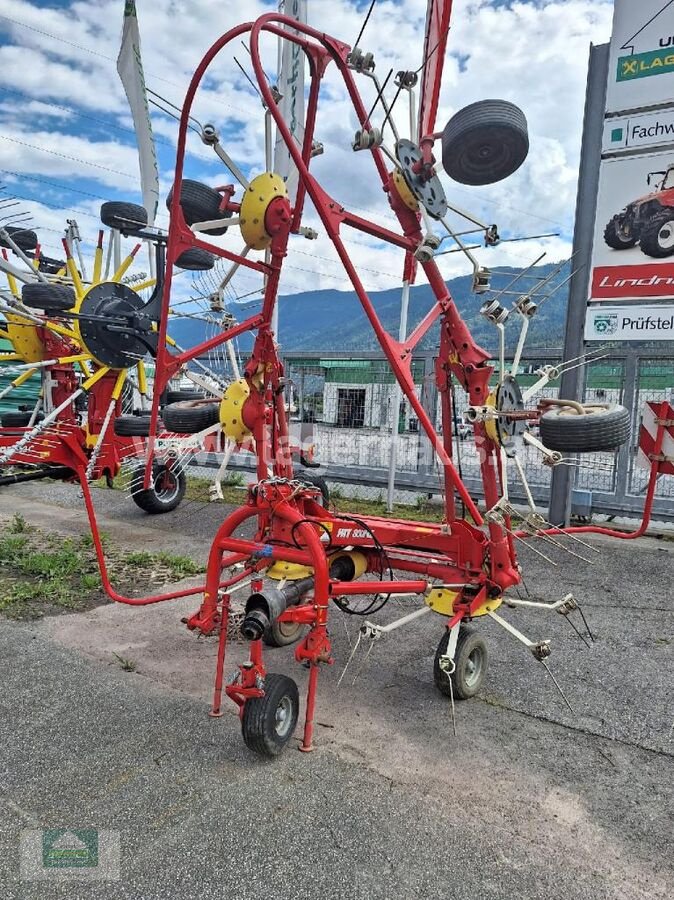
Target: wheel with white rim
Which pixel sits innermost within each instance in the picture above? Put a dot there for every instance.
(657, 235)
(471, 661)
(268, 722)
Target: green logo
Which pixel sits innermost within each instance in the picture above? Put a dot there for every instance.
(606, 324)
(64, 848)
(617, 135)
(643, 65)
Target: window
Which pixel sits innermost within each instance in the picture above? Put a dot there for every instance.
(351, 407)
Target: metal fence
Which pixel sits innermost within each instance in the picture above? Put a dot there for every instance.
(350, 408)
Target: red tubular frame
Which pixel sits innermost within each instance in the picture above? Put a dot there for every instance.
(462, 553)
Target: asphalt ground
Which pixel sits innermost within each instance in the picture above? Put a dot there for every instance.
(528, 800)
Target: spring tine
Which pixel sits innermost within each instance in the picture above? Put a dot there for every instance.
(557, 685)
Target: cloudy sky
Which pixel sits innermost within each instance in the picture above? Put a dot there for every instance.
(67, 144)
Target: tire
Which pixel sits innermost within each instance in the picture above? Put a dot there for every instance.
(49, 297)
(18, 419)
(134, 426)
(195, 260)
(179, 396)
(264, 731)
(485, 142)
(603, 430)
(615, 236)
(190, 416)
(125, 217)
(315, 481)
(24, 238)
(164, 496)
(657, 235)
(50, 266)
(200, 203)
(282, 634)
(471, 661)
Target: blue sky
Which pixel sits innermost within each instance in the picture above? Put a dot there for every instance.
(66, 140)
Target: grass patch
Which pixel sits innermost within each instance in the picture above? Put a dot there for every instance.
(43, 573)
(127, 665)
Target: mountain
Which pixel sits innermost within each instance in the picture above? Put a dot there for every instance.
(329, 320)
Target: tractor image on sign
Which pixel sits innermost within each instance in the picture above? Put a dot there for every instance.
(648, 221)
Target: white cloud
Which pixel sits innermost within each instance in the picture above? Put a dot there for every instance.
(533, 53)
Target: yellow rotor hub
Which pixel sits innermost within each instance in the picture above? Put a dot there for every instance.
(231, 410)
(441, 600)
(259, 194)
(404, 191)
(24, 338)
(289, 571)
(490, 426)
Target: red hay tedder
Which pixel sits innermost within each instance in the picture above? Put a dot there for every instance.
(304, 558)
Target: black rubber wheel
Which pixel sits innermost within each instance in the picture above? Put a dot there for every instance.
(135, 426)
(196, 260)
(620, 235)
(18, 419)
(50, 266)
(485, 142)
(657, 235)
(179, 396)
(167, 492)
(604, 429)
(24, 238)
(125, 217)
(190, 416)
(49, 297)
(315, 481)
(268, 722)
(471, 661)
(200, 203)
(282, 634)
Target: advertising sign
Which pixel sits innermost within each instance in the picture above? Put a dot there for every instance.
(650, 130)
(633, 251)
(641, 67)
(630, 323)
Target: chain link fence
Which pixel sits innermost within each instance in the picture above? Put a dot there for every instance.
(352, 412)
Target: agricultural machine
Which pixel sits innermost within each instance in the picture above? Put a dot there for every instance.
(648, 221)
(306, 561)
(77, 426)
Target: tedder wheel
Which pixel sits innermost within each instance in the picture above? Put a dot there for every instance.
(190, 416)
(18, 419)
(470, 660)
(619, 234)
(135, 426)
(24, 238)
(179, 396)
(200, 203)
(282, 634)
(50, 266)
(315, 481)
(196, 260)
(485, 142)
(123, 216)
(657, 235)
(602, 429)
(165, 495)
(49, 297)
(268, 722)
